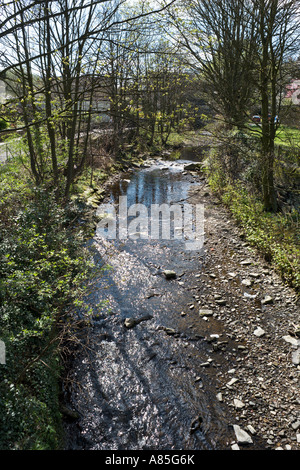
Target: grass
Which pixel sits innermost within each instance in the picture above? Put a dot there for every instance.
(275, 236)
(288, 137)
(285, 137)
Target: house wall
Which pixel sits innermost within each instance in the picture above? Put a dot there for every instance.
(293, 92)
(2, 91)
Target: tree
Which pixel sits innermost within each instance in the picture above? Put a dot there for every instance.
(221, 39)
(278, 26)
(240, 47)
(53, 49)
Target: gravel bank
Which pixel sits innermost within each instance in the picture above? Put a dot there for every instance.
(261, 315)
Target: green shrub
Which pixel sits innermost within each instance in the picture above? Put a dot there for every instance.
(43, 269)
(276, 236)
(3, 125)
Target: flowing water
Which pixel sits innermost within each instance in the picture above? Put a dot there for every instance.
(146, 388)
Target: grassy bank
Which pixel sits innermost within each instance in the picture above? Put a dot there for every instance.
(234, 175)
(276, 236)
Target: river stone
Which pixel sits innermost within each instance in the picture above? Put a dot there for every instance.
(170, 331)
(251, 429)
(232, 274)
(254, 274)
(267, 300)
(291, 340)
(296, 425)
(193, 167)
(235, 447)
(205, 312)
(238, 404)
(247, 282)
(241, 435)
(169, 274)
(130, 322)
(259, 332)
(246, 262)
(250, 296)
(296, 357)
(231, 382)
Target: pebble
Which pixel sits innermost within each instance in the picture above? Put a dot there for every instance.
(246, 262)
(169, 274)
(238, 404)
(130, 322)
(235, 447)
(221, 302)
(259, 332)
(296, 357)
(247, 282)
(242, 436)
(267, 300)
(291, 340)
(203, 312)
(231, 382)
(296, 425)
(251, 429)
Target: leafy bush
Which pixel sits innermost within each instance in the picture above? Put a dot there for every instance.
(43, 266)
(234, 173)
(3, 124)
(276, 236)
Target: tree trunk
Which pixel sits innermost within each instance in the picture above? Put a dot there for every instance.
(268, 129)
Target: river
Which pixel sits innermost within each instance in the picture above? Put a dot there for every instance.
(148, 387)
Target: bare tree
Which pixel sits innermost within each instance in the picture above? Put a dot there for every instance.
(240, 48)
(221, 39)
(278, 26)
(52, 48)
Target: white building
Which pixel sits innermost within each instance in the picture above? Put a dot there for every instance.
(293, 92)
(3, 94)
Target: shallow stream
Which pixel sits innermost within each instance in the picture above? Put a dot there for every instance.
(149, 386)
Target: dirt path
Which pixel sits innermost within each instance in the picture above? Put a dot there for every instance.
(261, 314)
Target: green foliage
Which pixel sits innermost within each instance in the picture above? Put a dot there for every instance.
(43, 269)
(277, 236)
(3, 124)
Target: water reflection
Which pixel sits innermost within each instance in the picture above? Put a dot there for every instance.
(138, 388)
(153, 185)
